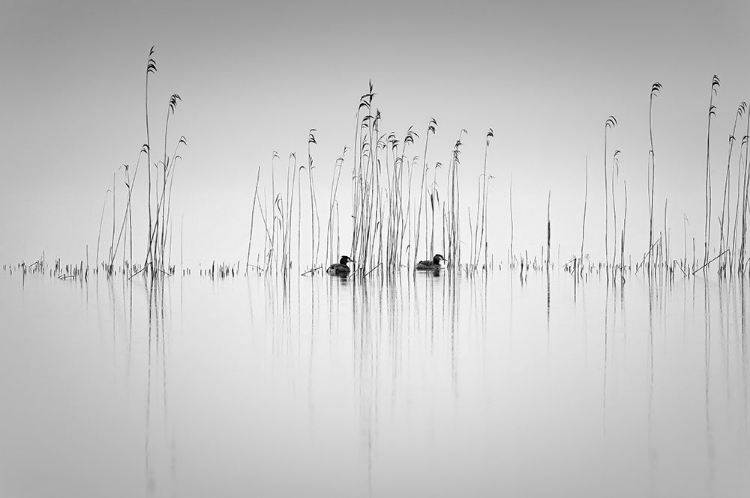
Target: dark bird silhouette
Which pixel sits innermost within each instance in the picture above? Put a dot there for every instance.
(340, 269)
(431, 265)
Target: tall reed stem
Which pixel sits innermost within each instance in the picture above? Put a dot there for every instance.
(715, 83)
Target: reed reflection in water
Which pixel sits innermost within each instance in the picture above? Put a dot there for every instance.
(416, 385)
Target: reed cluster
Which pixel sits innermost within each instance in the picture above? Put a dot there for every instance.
(394, 225)
(161, 172)
(396, 213)
(658, 257)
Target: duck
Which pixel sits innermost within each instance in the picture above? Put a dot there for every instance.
(340, 269)
(431, 265)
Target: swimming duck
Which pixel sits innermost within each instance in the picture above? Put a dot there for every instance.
(341, 268)
(431, 265)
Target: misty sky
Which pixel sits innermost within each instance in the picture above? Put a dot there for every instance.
(254, 78)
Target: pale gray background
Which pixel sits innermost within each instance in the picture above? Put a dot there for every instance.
(255, 77)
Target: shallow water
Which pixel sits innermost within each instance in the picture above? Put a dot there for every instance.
(420, 386)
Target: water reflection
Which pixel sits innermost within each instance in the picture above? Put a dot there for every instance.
(442, 384)
(160, 445)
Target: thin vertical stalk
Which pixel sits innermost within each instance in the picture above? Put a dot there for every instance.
(430, 128)
(510, 263)
(313, 213)
(549, 228)
(655, 90)
(101, 220)
(585, 203)
(489, 135)
(624, 226)
(715, 83)
(609, 123)
(150, 68)
(725, 201)
(615, 176)
(252, 220)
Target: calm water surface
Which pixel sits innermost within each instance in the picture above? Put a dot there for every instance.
(421, 386)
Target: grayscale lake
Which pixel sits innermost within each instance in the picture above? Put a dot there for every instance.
(424, 385)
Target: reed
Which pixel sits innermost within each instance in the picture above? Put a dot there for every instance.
(166, 173)
(127, 217)
(299, 215)
(150, 69)
(272, 255)
(624, 226)
(163, 206)
(549, 228)
(434, 201)
(611, 122)
(378, 199)
(738, 197)
(101, 220)
(330, 256)
(723, 223)
(362, 142)
(287, 238)
(615, 177)
(273, 259)
(511, 261)
(430, 129)
(655, 90)
(404, 227)
(110, 266)
(394, 204)
(372, 216)
(314, 218)
(666, 235)
(252, 220)
(685, 223)
(472, 234)
(715, 83)
(408, 217)
(168, 210)
(481, 227)
(585, 204)
(745, 182)
(454, 205)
